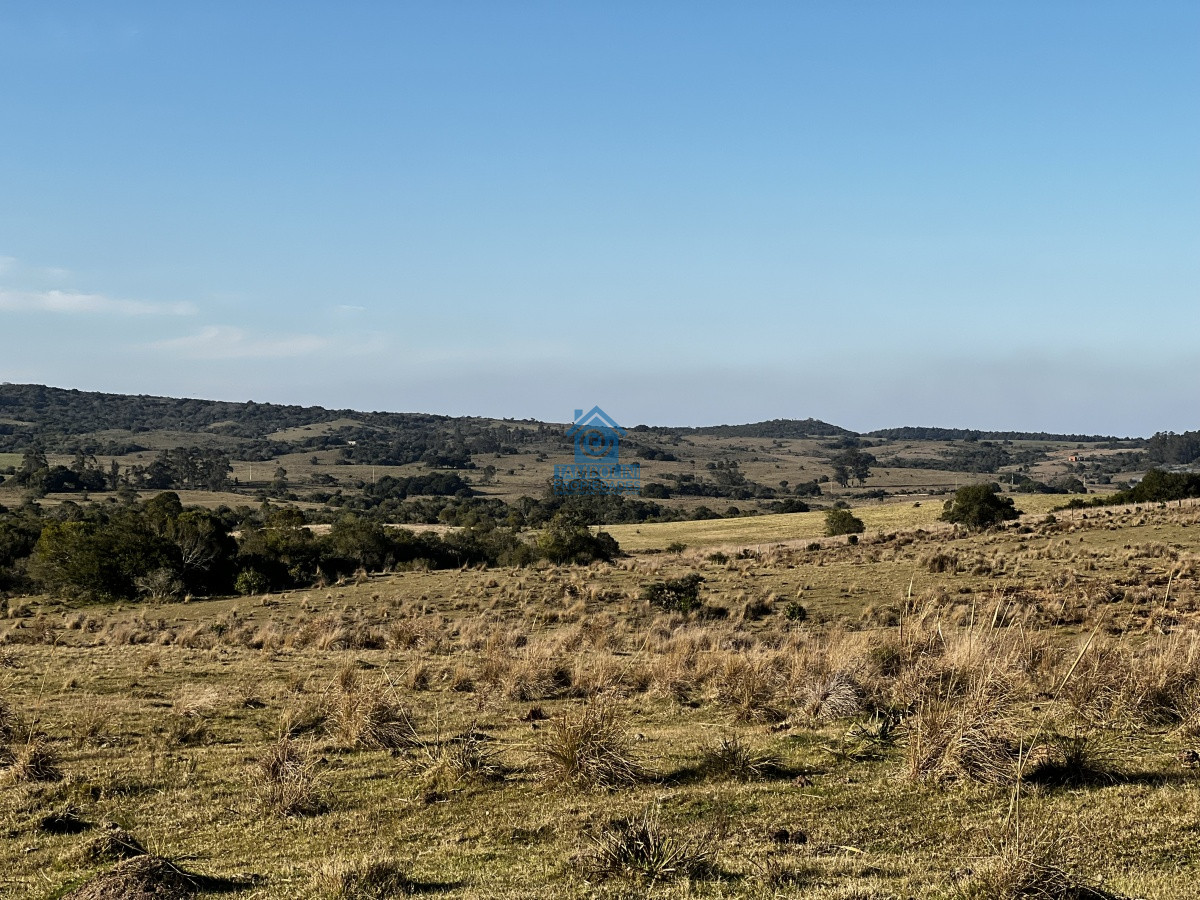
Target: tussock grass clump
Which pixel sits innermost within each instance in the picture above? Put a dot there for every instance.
(366, 879)
(535, 678)
(590, 747)
(641, 848)
(9, 722)
(749, 690)
(1030, 874)
(304, 719)
(735, 759)
(1075, 761)
(780, 870)
(367, 714)
(288, 781)
(193, 705)
(836, 696)
(92, 726)
(964, 738)
(1164, 683)
(469, 758)
(34, 760)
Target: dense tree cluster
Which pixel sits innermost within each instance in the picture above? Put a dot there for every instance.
(970, 434)
(1170, 448)
(160, 548)
(852, 463)
(1157, 486)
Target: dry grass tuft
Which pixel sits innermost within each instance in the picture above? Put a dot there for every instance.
(749, 689)
(367, 879)
(588, 746)
(1075, 761)
(368, 714)
(469, 758)
(288, 780)
(836, 696)
(35, 760)
(1032, 874)
(9, 722)
(146, 877)
(963, 738)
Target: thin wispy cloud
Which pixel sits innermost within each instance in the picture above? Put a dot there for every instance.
(224, 342)
(78, 303)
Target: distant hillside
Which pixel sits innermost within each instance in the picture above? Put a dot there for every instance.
(779, 429)
(65, 411)
(432, 469)
(917, 433)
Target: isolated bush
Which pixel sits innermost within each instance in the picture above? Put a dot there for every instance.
(677, 594)
(251, 581)
(979, 506)
(795, 611)
(842, 521)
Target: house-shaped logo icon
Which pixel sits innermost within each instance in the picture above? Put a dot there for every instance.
(596, 438)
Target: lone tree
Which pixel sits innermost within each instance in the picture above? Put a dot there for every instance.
(842, 521)
(979, 506)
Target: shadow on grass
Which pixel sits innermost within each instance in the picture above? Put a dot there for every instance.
(1058, 776)
(768, 770)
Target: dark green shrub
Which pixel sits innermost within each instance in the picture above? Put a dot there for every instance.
(979, 506)
(677, 594)
(842, 521)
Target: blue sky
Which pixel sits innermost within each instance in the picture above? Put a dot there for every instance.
(878, 214)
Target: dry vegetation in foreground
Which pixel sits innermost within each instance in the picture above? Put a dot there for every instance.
(1007, 715)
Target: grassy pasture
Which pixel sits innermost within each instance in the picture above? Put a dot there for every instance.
(429, 715)
(769, 529)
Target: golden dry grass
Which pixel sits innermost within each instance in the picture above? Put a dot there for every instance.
(784, 756)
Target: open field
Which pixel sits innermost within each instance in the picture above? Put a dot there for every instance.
(870, 721)
(785, 527)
